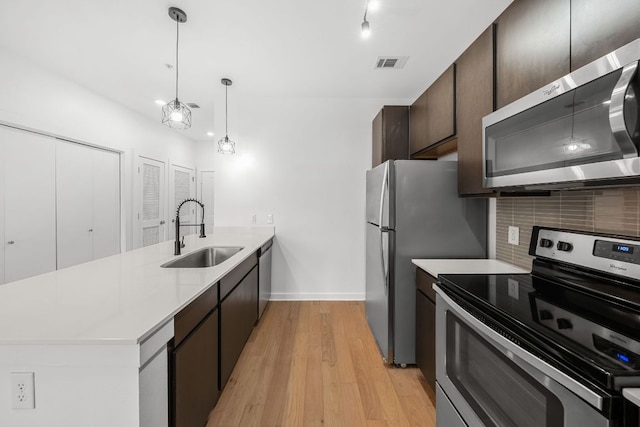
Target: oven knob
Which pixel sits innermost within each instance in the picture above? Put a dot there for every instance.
(564, 324)
(564, 246)
(545, 315)
(546, 243)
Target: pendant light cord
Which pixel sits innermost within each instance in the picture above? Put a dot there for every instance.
(226, 111)
(177, 41)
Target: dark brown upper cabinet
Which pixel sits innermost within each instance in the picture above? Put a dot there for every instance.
(532, 47)
(474, 100)
(599, 27)
(390, 134)
(433, 116)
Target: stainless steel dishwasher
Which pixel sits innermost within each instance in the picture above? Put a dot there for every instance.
(264, 277)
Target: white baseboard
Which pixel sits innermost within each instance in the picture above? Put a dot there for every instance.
(359, 296)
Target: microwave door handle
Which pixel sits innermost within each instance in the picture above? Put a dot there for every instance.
(616, 111)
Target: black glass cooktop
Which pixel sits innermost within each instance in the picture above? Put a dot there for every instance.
(584, 327)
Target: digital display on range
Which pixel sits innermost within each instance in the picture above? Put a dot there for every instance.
(622, 357)
(623, 248)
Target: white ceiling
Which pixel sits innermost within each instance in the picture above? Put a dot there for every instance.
(288, 48)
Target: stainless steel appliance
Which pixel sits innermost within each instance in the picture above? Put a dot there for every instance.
(551, 348)
(580, 130)
(264, 276)
(413, 211)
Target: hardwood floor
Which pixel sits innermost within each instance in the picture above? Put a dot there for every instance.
(316, 363)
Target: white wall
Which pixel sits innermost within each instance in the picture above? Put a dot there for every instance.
(33, 98)
(304, 161)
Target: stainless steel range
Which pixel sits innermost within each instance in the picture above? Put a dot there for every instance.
(551, 348)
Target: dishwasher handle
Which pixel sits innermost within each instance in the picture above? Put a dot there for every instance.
(266, 247)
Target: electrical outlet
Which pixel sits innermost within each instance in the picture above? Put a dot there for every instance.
(270, 219)
(253, 219)
(514, 235)
(22, 390)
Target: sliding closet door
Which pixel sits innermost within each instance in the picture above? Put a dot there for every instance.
(74, 208)
(88, 203)
(106, 203)
(30, 218)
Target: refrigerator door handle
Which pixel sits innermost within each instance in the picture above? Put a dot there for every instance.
(383, 258)
(383, 193)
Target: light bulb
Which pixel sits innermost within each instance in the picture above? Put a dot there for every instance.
(176, 116)
(366, 31)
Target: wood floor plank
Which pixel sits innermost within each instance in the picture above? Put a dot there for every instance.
(316, 363)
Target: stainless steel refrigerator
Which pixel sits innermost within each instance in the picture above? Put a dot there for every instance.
(413, 211)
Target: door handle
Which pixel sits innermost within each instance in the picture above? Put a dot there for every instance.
(616, 111)
(385, 269)
(162, 222)
(383, 191)
(90, 230)
(11, 242)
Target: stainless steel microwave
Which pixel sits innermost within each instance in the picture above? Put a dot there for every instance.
(580, 130)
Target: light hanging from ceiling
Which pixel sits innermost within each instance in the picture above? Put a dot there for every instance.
(175, 114)
(225, 145)
(366, 30)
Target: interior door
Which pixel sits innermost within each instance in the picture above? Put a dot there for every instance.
(207, 181)
(30, 216)
(74, 195)
(152, 202)
(182, 185)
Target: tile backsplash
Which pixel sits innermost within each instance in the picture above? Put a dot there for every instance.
(614, 210)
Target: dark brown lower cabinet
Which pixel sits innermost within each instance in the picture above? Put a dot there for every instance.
(238, 315)
(194, 375)
(426, 337)
(426, 327)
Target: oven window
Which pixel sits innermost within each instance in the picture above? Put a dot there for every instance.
(499, 392)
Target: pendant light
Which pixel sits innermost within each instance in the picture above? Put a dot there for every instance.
(225, 145)
(175, 114)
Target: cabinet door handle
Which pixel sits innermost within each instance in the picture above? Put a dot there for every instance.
(91, 229)
(161, 222)
(10, 242)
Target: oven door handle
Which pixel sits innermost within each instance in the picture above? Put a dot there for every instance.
(591, 397)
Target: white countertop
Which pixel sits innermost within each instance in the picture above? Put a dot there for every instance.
(467, 266)
(120, 299)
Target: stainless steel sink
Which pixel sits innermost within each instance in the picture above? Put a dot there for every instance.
(205, 257)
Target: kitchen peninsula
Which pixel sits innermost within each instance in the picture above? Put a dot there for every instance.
(95, 335)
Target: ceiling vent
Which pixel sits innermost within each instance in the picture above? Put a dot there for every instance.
(192, 105)
(389, 62)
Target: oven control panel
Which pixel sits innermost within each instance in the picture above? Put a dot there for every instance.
(606, 253)
(593, 336)
(617, 251)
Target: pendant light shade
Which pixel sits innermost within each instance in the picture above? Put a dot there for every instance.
(175, 114)
(225, 145)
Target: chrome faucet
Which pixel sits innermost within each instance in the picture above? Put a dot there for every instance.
(178, 244)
